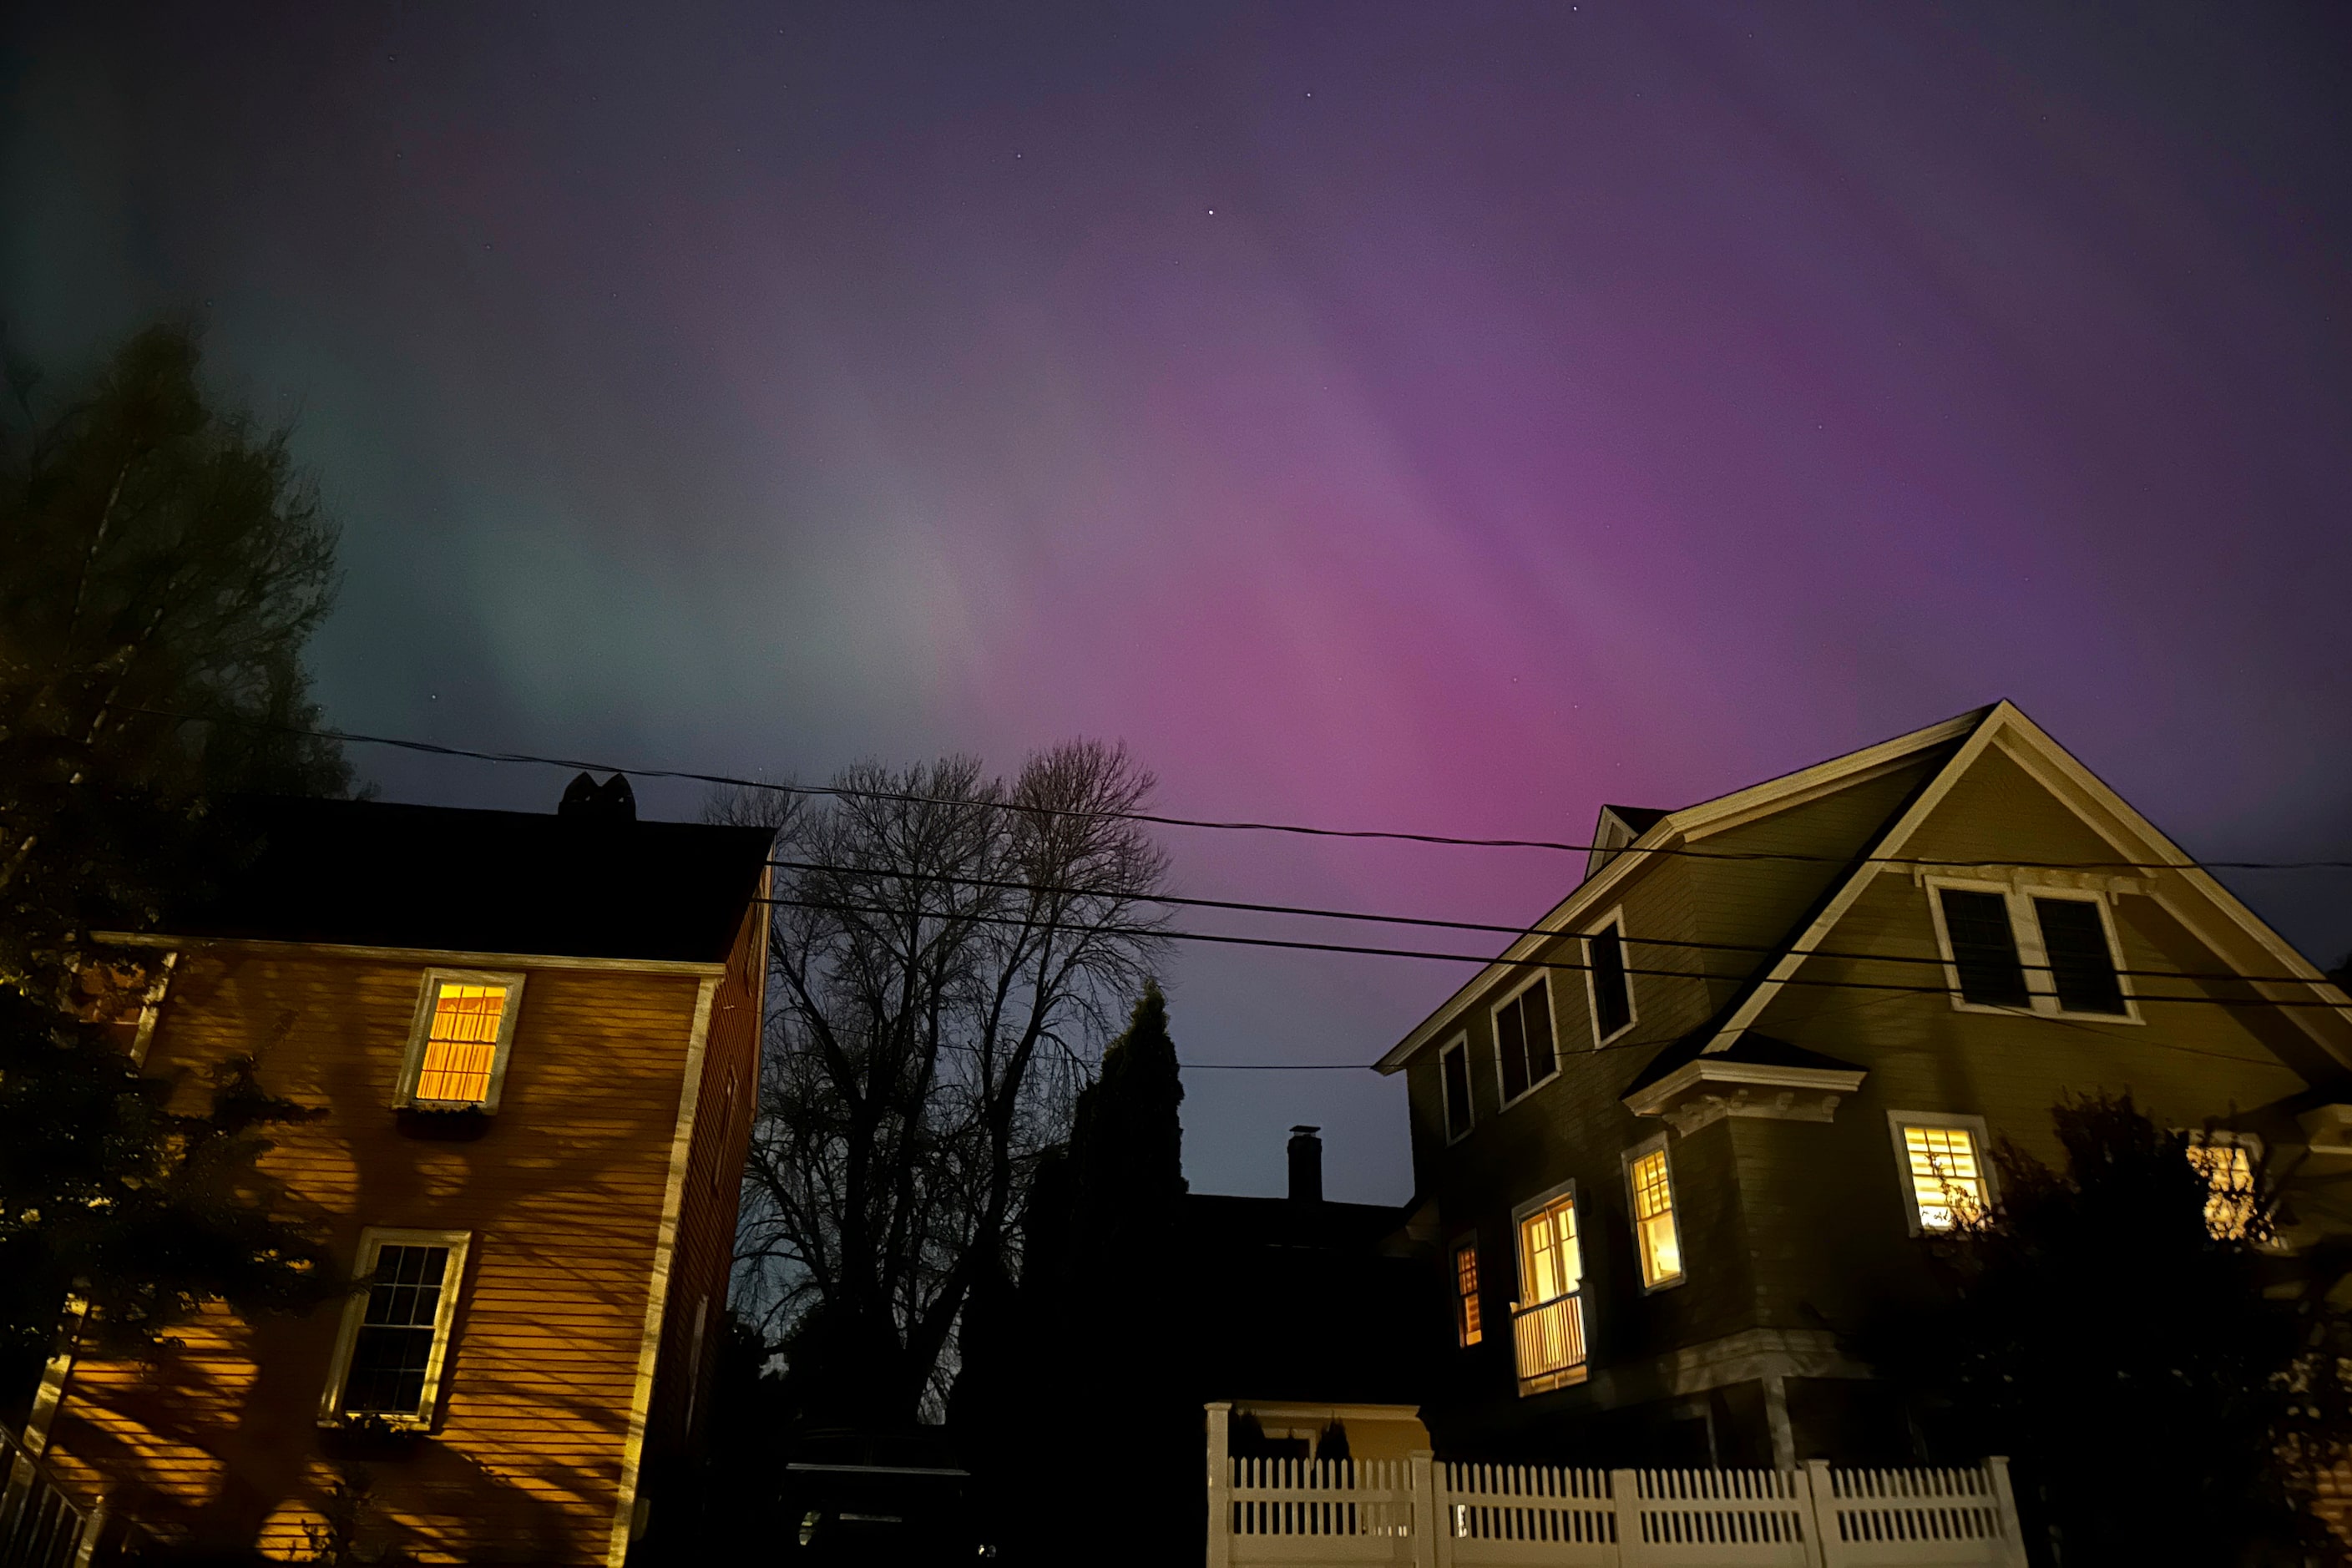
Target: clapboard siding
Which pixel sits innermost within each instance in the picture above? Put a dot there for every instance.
(564, 1193)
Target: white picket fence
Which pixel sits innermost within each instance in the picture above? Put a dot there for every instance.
(1349, 1514)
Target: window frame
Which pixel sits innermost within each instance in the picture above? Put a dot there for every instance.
(1615, 919)
(1521, 1214)
(1493, 1030)
(1896, 1121)
(1465, 1337)
(1459, 1043)
(1655, 1145)
(372, 1241)
(2222, 1138)
(420, 1031)
(2032, 953)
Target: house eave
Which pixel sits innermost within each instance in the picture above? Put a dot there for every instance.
(1709, 1089)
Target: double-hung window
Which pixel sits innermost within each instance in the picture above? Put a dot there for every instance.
(2028, 948)
(393, 1349)
(1547, 1321)
(1468, 1327)
(1657, 1234)
(1454, 1086)
(1607, 985)
(1523, 1038)
(459, 1043)
(1941, 1158)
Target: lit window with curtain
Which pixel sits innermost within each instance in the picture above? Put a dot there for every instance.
(1467, 1324)
(464, 1025)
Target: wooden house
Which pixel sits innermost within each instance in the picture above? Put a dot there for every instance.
(1677, 1140)
(534, 1042)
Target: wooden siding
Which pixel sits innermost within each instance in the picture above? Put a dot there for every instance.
(1791, 1226)
(216, 1441)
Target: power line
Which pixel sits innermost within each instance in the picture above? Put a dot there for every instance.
(1300, 946)
(1759, 949)
(430, 748)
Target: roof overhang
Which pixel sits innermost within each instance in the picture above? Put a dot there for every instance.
(1708, 1089)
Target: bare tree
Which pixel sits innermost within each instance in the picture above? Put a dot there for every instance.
(946, 956)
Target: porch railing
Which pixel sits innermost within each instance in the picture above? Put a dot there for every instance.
(1549, 1340)
(39, 1525)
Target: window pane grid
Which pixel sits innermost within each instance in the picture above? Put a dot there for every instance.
(1984, 948)
(1653, 1219)
(394, 1348)
(1944, 1174)
(461, 1045)
(1554, 1266)
(2082, 969)
(1465, 1286)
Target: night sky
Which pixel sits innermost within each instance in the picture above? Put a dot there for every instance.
(1440, 416)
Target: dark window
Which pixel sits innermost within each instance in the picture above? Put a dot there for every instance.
(1984, 948)
(1453, 1070)
(1523, 1037)
(395, 1337)
(2082, 970)
(1511, 1045)
(1612, 997)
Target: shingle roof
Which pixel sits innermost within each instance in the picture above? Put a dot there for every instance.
(368, 874)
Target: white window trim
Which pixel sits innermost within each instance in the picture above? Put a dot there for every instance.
(1551, 1002)
(413, 1065)
(1655, 1144)
(2025, 930)
(1461, 1043)
(1896, 1121)
(1519, 1213)
(1616, 918)
(372, 1241)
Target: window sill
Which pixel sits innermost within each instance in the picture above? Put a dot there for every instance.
(450, 1123)
(1521, 1098)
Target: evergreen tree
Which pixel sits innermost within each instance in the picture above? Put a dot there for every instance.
(162, 565)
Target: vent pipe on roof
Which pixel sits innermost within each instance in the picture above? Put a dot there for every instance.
(1305, 1165)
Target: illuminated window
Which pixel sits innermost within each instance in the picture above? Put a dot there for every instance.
(1656, 1237)
(1523, 1040)
(1466, 1293)
(1943, 1162)
(1453, 1078)
(2228, 1172)
(1550, 1266)
(395, 1343)
(458, 1052)
(1611, 988)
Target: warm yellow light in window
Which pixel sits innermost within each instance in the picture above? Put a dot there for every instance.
(1465, 1286)
(1548, 1238)
(2230, 1176)
(463, 1043)
(1657, 1236)
(1944, 1174)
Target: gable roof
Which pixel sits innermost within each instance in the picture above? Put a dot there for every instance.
(1670, 831)
(350, 873)
(2188, 893)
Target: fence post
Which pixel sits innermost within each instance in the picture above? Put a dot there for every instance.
(1221, 1484)
(2012, 1534)
(1421, 1467)
(1625, 1492)
(1827, 1547)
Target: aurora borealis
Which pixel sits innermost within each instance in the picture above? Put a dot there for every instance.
(1439, 417)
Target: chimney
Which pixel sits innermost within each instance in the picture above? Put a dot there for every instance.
(587, 801)
(1305, 1165)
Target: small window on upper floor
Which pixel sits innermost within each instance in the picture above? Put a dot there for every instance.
(457, 1047)
(1611, 988)
(2029, 950)
(1454, 1081)
(1523, 1038)
(1657, 1237)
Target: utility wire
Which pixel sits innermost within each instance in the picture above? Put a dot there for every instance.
(431, 748)
(1050, 890)
(1299, 945)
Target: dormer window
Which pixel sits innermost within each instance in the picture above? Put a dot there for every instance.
(457, 1046)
